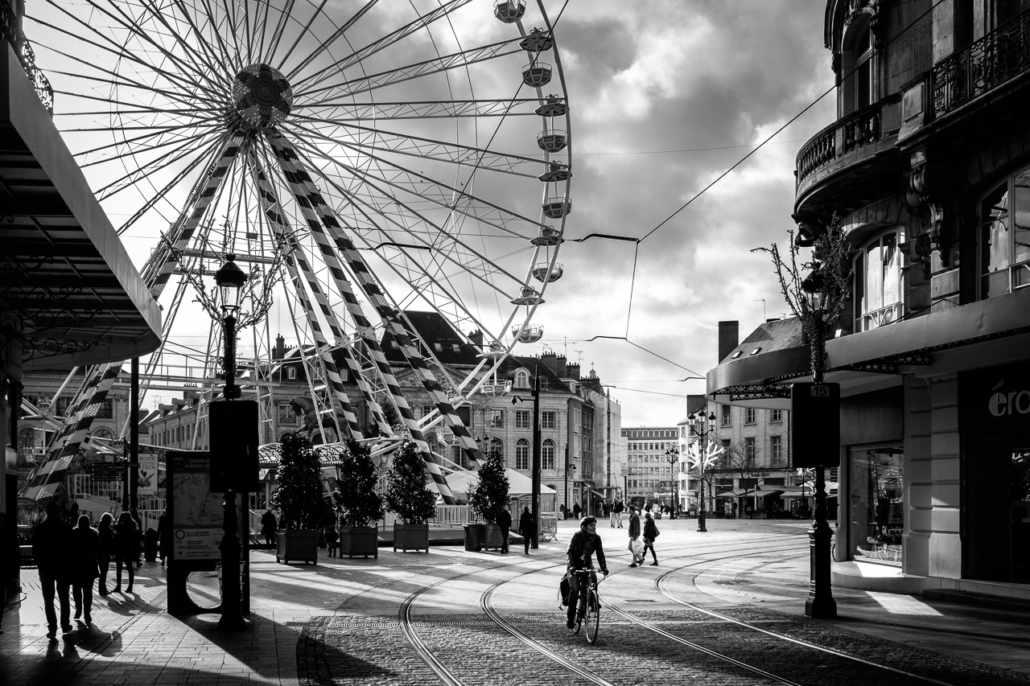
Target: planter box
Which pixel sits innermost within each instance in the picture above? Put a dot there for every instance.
(411, 537)
(359, 540)
(492, 537)
(474, 535)
(297, 544)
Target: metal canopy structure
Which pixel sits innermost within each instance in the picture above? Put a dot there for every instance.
(66, 280)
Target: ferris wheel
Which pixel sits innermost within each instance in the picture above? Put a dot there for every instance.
(360, 159)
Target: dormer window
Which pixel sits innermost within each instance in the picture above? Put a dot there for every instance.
(291, 373)
(522, 378)
(879, 281)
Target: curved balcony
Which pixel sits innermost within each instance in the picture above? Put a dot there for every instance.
(856, 141)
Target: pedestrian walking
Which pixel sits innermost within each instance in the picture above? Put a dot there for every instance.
(634, 534)
(564, 513)
(164, 536)
(126, 550)
(650, 533)
(268, 527)
(617, 510)
(527, 527)
(109, 545)
(51, 546)
(332, 541)
(10, 561)
(576, 509)
(87, 554)
(504, 522)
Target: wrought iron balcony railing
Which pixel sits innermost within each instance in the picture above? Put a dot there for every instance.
(26, 56)
(986, 64)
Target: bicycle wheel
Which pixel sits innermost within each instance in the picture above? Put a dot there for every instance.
(579, 619)
(592, 620)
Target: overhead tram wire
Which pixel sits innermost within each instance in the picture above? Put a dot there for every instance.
(636, 251)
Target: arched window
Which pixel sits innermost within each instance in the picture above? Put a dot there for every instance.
(547, 454)
(858, 67)
(879, 281)
(522, 378)
(103, 432)
(522, 454)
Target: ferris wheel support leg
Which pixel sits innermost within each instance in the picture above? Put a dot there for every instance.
(316, 213)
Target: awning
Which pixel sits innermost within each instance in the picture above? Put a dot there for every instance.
(68, 280)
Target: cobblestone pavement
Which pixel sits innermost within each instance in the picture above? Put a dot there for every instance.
(344, 621)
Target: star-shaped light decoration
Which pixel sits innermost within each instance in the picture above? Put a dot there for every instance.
(702, 461)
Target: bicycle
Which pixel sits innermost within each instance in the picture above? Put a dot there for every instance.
(588, 613)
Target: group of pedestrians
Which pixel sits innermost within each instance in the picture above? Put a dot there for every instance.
(650, 533)
(77, 558)
(527, 528)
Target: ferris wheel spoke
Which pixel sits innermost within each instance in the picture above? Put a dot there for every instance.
(442, 196)
(301, 34)
(328, 42)
(143, 171)
(280, 28)
(313, 80)
(110, 80)
(109, 46)
(207, 60)
(345, 112)
(367, 84)
(134, 29)
(224, 54)
(434, 237)
(367, 138)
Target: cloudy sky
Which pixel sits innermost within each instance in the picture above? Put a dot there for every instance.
(666, 96)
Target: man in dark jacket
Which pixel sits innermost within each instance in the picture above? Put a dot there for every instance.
(504, 521)
(527, 527)
(584, 544)
(51, 548)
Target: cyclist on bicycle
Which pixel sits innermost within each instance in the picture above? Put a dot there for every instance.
(583, 545)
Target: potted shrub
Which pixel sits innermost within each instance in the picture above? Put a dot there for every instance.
(357, 502)
(408, 498)
(299, 500)
(490, 496)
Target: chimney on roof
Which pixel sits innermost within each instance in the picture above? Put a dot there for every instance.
(572, 371)
(550, 360)
(561, 367)
(729, 338)
(476, 337)
(280, 346)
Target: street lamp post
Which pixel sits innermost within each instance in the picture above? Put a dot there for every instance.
(672, 455)
(701, 426)
(230, 280)
(820, 603)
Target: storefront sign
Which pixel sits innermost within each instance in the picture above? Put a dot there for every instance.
(147, 484)
(995, 400)
(196, 512)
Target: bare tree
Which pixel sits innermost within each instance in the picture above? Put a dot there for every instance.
(743, 461)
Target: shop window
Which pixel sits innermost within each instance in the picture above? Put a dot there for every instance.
(879, 281)
(877, 504)
(547, 454)
(1005, 237)
(522, 454)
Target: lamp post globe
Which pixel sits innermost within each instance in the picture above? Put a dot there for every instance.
(672, 455)
(701, 426)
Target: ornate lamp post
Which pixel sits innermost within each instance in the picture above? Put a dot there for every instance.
(820, 603)
(230, 280)
(701, 426)
(672, 455)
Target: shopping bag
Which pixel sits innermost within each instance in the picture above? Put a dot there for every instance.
(636, 546)
(565, 587)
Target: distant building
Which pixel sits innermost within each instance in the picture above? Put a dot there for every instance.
(650, 478)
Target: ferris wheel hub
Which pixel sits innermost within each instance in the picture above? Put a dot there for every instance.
(261, 96)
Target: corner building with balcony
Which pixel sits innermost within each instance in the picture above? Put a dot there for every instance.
(927, 171)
